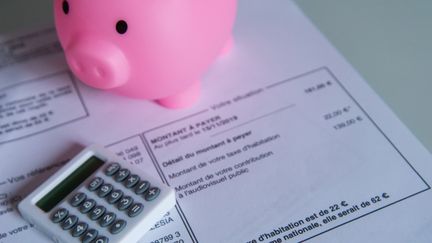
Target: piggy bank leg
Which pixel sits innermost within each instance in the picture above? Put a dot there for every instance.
(228, 46)
(184, 99)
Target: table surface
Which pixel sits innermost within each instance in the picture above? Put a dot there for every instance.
(388, 42)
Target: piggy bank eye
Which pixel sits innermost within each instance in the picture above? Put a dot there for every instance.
(65, 7)
(121, 27)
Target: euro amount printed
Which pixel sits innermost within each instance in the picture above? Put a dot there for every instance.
(243, 156)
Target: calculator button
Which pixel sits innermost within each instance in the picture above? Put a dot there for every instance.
(152, 194)
(142, 187)
(122, 175)
(97, 212)
(101, 239)
(124, 203)
(69, 222)
(107, 219)
(118, 226)
(89, 236)
(114, 196)
(79, 229)
(132, 181)
(87, 206)
(112, 169)
(59, 215)
(78, 199)
(136, 209)
(105, 190)
(95, 184)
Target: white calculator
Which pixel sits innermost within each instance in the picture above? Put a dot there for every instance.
(97, 198)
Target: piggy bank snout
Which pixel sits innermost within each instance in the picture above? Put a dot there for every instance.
(98, 63)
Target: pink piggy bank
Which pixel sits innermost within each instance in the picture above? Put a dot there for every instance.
(146, 49)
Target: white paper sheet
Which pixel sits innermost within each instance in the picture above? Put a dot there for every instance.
(287, 144)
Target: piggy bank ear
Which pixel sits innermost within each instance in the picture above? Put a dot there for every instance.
(65, 7)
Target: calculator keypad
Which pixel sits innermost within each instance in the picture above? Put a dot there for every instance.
(114, 196)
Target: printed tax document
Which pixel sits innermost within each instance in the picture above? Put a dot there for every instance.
(287, 144)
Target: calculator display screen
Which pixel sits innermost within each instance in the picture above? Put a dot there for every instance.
(70, 183)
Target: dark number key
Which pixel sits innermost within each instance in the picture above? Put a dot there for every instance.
(79, 229)
(95, 184)
(87, 206)
(101, 239)
(89, 236)
(69, 222)
(114, 196)
(107, 219)
(77, 199)
(124, 203)
(97, 212)
(105, 190)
